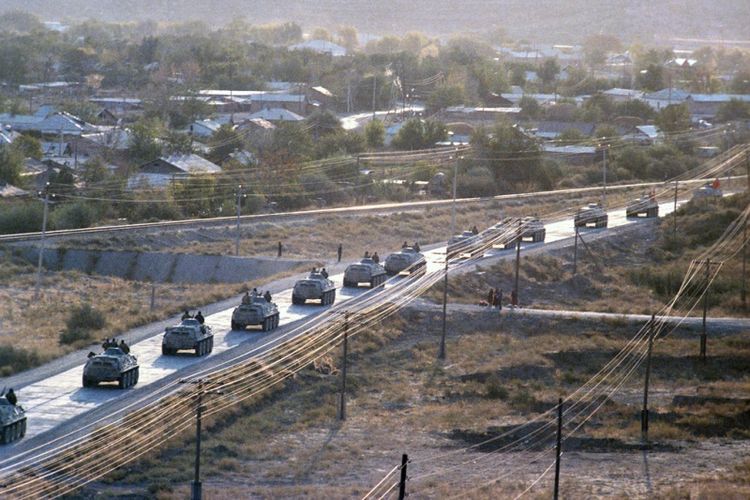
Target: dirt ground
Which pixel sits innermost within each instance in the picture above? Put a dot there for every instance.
(500, 373)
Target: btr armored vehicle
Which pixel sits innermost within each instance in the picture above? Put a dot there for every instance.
(189, 335)
(365, 271)
(464, 245)
(527, 229)
(12, 421)
(591, 215)
(406, 261)
(707, 192)
(113, 365)
(645, 205)
(314, 287)
(257, 311)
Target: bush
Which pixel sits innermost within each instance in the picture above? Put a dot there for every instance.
(77, 336)
(495, 388)
(74, 216)
(13, 360)
(24, 218)
(86, 317)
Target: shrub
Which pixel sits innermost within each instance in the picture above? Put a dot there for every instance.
(74, 216)
(495, 388)
(14, 359)
(24, 218)
(86, 317)
(77, 336)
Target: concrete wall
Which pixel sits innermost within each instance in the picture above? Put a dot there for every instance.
(162, 267)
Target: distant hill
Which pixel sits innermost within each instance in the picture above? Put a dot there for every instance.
(537, 20)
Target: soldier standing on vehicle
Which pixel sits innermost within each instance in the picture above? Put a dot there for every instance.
(246, 298)
(267, 296)
(404, 245)
(376, 258)
(367, 255)
(340, 250)
(416, 246)
(186, 315)
(124, 347)
(324, 272)
(475, 230)
(11, 397)
(200, 318)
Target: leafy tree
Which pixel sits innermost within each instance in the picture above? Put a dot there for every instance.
(28, 146)
(375, 134)
(735, 109)
(530, 108)
(514, 158)
(94, 171)
(290, 141)
(144, 145)
(634, 107)
(11, 164)
(178, 143)
(418, 134)
(548, 71)
(674, 118)
(224, 142)
(741, 82)
(348, 38)
(651, 77)
(17, 21)
(322, 123)
(570, 136)
(596, 47)
(445, 96)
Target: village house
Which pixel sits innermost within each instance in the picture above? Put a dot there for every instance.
(163, 171)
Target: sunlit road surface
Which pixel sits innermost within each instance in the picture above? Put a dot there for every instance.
(351, 122)
(60, 398)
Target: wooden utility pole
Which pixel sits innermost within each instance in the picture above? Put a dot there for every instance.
(38, 286)
(644, 411)
(153, 296)
(674, 212)
(705, 310)
(575, 252)
(744, 268)
(558, 449)
(514, 295)
(240, 195)
(441, 350)
(402, 480)
(342, 407)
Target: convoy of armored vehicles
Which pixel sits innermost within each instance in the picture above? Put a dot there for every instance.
(315, 287)
(365, 271)
(406, 261)
(591, 215)
(256, 311)
(112, 365)
(12, 421)
(189, 335)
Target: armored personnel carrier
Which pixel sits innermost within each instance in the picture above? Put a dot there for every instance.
(314, 287)
(531, 229)
(365, 271)
(591, 215)
(406, 261)
(258, 311)
(113, 365)
(707, 192)
(189, 335)
(12, 422)
(464, 245)
(646, 205)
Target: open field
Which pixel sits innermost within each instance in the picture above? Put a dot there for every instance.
(500, 372)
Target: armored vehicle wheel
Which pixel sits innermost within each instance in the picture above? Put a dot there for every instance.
(6, 434)
(136, 375)
(199, 348)
(165, 351)
(297, 301)
(23, 427)
(210, 344)
(348, 283)
(87, 382)
(235, 326)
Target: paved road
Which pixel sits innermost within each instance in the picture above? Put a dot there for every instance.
(57, 404)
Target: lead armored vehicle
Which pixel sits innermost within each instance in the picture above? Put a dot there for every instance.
(314, 287)
(707, 192)
(12, 422)
(189, 335)
(591, 215)
(113, 365)
(365, 271)
(405, 261)
(257, 311)
(645, 205)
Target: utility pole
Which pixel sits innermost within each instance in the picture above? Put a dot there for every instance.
(240, 195)
(453, 205)
(744, 268)
(674, 211)
(153, 295)
(705, 310)
(558, 449)
(575, 253)
(644, 411)
(374, 86)
(342, 407)
(604, 176)
(402, 481)
(42, 242)
(196, 488)
(518, 266)
(747, 168)
(441, 351)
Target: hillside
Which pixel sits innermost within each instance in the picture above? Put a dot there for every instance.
(537, 20)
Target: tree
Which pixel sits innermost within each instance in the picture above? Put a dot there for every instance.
(224, 142)
(741, 82)
(674, 118)
(348, 38)
(322, 123)
(178, 143)
(375, 134)
(548, 71)
(735, 109)
(570, 136)
(93, 171)
(143, 145)
(530, 108)
(635, 107)
(11, 164)
(418, 134)
(28, 146)
(514, 158)
(651, 78)
(445, 96)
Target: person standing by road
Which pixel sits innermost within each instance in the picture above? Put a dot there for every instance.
(340, 250)
(280, 249)
(499, 299)
(491, 297)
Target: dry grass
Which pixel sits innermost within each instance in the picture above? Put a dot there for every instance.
(499, 372)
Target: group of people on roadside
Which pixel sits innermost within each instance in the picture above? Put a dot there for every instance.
(495, 298)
